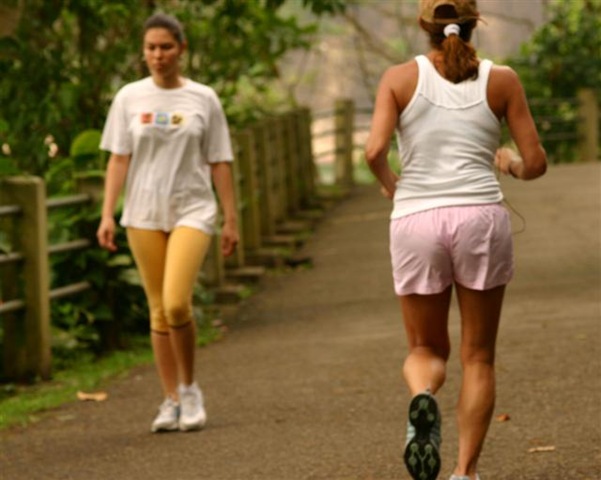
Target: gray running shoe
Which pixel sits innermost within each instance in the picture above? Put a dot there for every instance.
(422, 457)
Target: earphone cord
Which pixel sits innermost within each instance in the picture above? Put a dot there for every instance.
(521, 217)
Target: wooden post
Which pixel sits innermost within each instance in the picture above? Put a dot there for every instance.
(12, 324)
(307, 165)
(344, 124)
(275, 154)
(588, 126)
(290, 156)
(32, 348)
(249, 190)
(266, 177)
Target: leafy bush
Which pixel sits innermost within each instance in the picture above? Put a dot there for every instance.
(63, 63)
(561, 58)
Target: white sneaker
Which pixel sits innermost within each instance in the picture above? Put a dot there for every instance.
(192, 413)
(463, 477)
(167, 419)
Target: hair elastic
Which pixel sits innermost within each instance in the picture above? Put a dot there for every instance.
(451, 29)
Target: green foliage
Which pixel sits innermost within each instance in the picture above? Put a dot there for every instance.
(561, 58)
(66, 58)
(8, 167)
(563, 55)
(56, 74)
(84, 150)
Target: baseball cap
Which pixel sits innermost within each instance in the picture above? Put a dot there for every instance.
(466, 10)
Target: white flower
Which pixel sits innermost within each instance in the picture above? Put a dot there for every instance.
(52, 150)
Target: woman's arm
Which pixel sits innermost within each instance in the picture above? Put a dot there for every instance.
(384, 120)
(116, 172)
(531, 162)
(223, 181)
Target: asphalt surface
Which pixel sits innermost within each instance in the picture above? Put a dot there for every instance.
(307, 383)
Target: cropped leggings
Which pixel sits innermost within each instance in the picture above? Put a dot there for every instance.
(168, 263)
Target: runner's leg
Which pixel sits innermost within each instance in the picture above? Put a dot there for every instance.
(480, 315)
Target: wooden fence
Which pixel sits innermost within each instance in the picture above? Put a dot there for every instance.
(26, 346)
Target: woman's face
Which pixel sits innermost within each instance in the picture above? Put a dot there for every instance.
(162, 52)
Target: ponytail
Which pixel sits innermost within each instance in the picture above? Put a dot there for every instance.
(459, 56)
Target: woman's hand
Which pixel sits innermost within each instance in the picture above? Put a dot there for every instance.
(106, 234)
(385, 193)
(229, 238)
(389, 189)
(508, 162)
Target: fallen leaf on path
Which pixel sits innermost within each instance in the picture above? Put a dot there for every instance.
(549, 448)
(504, 417)
(95, 397)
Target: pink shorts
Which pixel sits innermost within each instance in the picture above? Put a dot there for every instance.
(470, 245)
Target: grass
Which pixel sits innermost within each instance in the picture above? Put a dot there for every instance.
(21, 405)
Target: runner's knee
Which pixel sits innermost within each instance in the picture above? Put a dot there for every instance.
(178, 313)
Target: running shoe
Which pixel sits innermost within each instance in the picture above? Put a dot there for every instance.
(168, 418)
(422, 456)
(463, 477)
(192, 413)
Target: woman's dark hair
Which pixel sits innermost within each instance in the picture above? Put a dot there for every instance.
(162, 20)
(459, 56)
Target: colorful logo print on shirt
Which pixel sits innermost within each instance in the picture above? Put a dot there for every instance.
(162, 119)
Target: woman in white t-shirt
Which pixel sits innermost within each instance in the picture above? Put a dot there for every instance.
(448, 228)
(169, 144)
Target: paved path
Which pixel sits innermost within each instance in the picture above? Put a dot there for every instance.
(307, 386)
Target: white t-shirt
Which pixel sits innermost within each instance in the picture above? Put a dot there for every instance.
(447, 137)
(172, 135)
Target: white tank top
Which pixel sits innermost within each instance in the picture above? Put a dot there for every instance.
(447, 137)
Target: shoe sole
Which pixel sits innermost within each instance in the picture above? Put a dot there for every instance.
(191, 428)
(421, 454)
(174, 428)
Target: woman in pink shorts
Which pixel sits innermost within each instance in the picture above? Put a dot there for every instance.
(448, 226)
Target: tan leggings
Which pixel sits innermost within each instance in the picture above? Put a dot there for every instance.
(168, 264)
